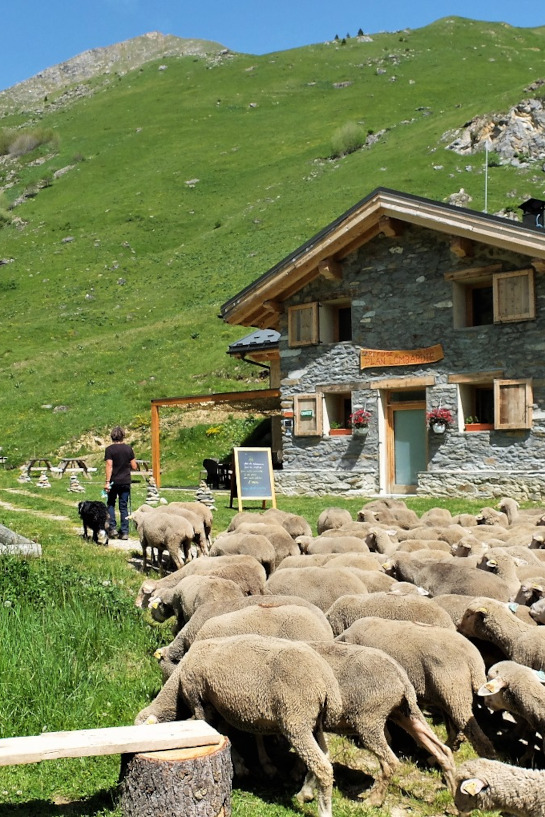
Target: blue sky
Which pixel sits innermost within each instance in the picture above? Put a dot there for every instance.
(37, 34)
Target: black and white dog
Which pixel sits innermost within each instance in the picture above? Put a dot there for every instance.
(94, 515)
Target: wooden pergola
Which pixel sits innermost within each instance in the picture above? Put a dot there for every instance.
(203, 399)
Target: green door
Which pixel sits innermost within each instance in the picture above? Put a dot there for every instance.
(407, 442)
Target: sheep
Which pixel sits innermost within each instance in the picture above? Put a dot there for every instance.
(492, 621)
(380, 541)
(519, 690)
(188, 595)
(320, 585)
(398, 515)
(361, 561)
(304, 560)
(436, 518)
(490, 516)
(502, 564)
(165, 532)
(443, 666)
(289, 621)
(447, 577)
(194, 519)
(511, 509)
(294, 524)
(537, 611)
(171, 655)
(199, 508)
(347, 609)
(333, 518)
(279, 538)
(262, 685)
(489, 785)
(375, 688)
(242, 569)
(249, 543)
(420, 545)
(336, 544)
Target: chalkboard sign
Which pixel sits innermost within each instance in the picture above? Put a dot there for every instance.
(254, 475)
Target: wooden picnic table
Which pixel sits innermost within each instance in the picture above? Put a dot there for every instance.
(37, 464)
(75, 465)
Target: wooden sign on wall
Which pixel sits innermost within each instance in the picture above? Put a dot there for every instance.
(370, 358)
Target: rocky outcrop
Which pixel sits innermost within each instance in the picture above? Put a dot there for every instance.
(517, 136)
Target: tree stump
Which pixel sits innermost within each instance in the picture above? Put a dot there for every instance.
(192, 782)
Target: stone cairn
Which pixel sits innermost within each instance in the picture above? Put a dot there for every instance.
(75, 486)
(205, 495)
(24, 477)
(43, 481)
(152, 494)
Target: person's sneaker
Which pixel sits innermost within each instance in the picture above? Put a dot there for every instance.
(112, 534)
(123, 536)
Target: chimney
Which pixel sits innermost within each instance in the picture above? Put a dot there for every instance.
(533, 213)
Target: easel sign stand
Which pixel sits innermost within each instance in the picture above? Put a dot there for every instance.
(254, 475)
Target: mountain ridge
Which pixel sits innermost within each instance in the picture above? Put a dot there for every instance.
(118, 58)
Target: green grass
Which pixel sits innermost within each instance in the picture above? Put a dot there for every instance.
(126, 309)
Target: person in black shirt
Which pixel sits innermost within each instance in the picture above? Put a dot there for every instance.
(120, 461)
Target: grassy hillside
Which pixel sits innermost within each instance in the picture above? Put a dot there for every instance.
(116, 267)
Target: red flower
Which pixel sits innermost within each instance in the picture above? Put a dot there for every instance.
(359, 418)
(440, 415)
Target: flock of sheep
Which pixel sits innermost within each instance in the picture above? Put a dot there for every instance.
(280, 632)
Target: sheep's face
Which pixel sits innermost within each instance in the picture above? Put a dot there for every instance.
(468, 796)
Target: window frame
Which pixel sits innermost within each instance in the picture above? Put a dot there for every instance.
(465, 281)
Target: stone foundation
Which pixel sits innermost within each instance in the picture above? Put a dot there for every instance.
(520, 485)
(324, 482)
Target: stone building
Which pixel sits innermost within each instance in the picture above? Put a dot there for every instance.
(401, 306)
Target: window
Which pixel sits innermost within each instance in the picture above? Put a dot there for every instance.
(499, 404)
(338, 408)
(307, 415)
(481, 298)
(314, 323)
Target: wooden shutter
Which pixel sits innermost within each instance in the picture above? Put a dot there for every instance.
(513, 404)
(514, 297)
(303, 324)
(307, 415)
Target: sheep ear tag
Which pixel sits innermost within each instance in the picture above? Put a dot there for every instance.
(491, 687)
(540, 675)
(513, 606)
(472, 786)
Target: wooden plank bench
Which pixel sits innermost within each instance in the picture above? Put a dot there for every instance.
(109, 741)
(164, 763)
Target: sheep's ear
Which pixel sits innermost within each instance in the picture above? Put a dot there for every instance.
(422, 591)
(472, 786)
(158, 654)
(538, 587)
(154, 602)
(483, 610)
(491, 563)
(540, 675)
(491, 687)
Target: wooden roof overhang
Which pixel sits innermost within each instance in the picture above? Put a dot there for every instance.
(385, 211)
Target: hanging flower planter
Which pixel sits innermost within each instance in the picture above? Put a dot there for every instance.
(439, 420)
(359, 422)
(438, 428)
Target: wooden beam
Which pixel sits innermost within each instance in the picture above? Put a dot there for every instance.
(461, 247)
(538, 264)
(110, 741)
(475, 377)
(472, 273)
(330, 269)
(220, 397)
(403, 382)
(155, 450)
(274, 307)
(390, 227)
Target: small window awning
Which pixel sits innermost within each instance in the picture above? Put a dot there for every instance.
(261, 342)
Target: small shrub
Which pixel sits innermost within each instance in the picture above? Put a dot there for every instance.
(27, 141)
(494, 159)
(347, 139)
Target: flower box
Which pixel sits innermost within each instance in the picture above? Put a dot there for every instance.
(340, 432)
(479, 427)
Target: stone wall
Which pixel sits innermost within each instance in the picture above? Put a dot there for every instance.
(401, 300)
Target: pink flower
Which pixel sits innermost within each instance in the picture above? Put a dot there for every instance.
(359, 418)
